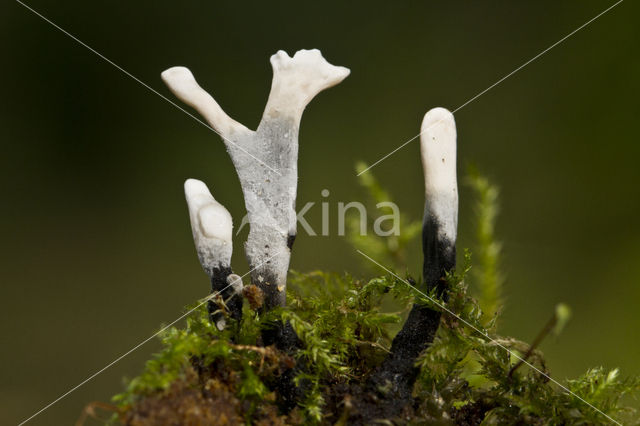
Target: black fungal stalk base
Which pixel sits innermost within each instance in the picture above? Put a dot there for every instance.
(273, 297)
(284, 338)
(393, 380)
(233, 302)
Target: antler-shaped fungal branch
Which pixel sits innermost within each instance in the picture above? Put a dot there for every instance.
(266, 159)
(212, 227)
(438, 148)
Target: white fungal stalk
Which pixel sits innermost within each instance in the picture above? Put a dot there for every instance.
(266, 159)
(212, 229)
(211, 225)
(438, 149)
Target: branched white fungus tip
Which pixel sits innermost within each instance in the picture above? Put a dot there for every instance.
(297, 79)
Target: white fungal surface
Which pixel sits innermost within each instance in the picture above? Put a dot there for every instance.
(298, 79)
(438, 149)
(266, 159)
(184, 85)
(211, 225)
(235, 281)
(221, 323)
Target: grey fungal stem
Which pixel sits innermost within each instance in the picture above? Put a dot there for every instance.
(397, 373)
(212, 229)
(266, 159)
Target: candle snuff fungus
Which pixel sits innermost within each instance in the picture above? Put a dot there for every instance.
(266, 159)
(440, 223)
(211, 225)
(212, 229)
(398, 372)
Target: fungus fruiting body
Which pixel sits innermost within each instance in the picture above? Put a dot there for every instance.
(266, 159)
(211, 225)
(439, 229)
(438, 151)
(440, 222)
(212, 228)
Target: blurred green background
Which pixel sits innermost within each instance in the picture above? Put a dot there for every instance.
(96, 246)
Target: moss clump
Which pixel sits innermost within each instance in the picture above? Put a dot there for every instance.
(204, 376)
(467, 376)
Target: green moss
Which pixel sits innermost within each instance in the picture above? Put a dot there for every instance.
(487, 279)
(345, 325)
(389, 250)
